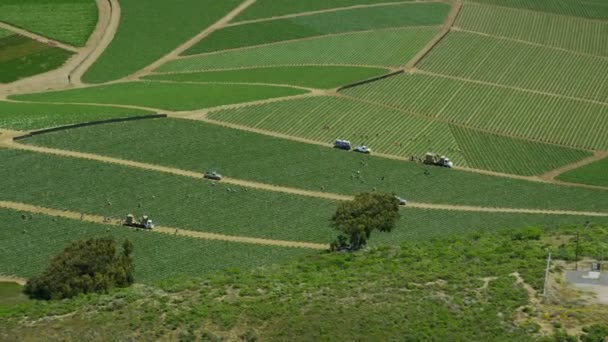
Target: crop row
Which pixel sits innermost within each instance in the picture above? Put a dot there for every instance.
(192, 145)
(151, 29)
(31, 116)
(360, 19)
(29, 242)
(306, 76)
(594, 174)
(520, 65)
(69, 21)
(544, 118)
(576, 8)
(569, 33)
(272, 8)
(392, 47)
(22, 57)
(169, 96)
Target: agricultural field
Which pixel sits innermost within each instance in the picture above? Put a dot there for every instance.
(151, 29)
(68, 21)
(523, 114)
(521, 66)
(270, 8)
(156, 257)
(595, 173)
(167, 96)
(198, 146)
(323, 77)
(22, 57)
(32, 116)
(360, 19)
(381, 48)
(577, 8)
(569, 33)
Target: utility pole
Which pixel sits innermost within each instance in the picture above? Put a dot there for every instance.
(576, 251)
(547, 275)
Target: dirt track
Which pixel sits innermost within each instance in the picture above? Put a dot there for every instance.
(159, 229)
(551, 175)
(11, 279)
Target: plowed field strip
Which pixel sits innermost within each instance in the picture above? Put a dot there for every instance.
(159, 229)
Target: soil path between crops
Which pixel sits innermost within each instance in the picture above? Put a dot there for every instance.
(159, 229)
(68, 75)
(276, 188)
(551, 175)
(37, 37)
(190, 43)
(11, 279)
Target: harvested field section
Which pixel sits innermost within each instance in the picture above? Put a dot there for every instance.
(593, 174)
(305, 76)
(151, 29)
(392, 47)
(575, 8)
(30, 240)
(31, 116)
(543, 118)
(520, 65)
(168, 96)
(361, 19)
(273, 8)
(182, 202)
(68, 21)
(502, 154)
(197, 146)
(570, 33)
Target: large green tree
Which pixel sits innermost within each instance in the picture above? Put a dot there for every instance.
(85, 266)
(357, 219)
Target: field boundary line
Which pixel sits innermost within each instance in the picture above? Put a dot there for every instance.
(12, 279)
(551, 175)
(277, 85)
(330, 10)
(39, 38)
(527, 42)
(204, 54)
(538, 92)
(160, 229)
(445, 29)
(192, 41)
(370, 80)
(267, 67)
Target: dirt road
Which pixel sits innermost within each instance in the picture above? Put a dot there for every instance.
(11, 279)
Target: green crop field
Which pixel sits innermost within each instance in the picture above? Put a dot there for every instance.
(272, 8)
(306, 76)
(198, 146)
(540, 117)
(392, 47)
(593, 174)
(31, 116)
(29, 241)
(401, 15)
(68, 21)
(520, 65)
(151, 29)
(168, 96)
(21, 57)
(4, 33)
(577, 8)
(570, 33)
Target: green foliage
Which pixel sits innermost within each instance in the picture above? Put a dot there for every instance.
(392, 47)
(306, 76)
(185, 144)
(577, 8)
(357, 219)
(592, 243)
(556, 31)
(360, 19)
(28, 245)
(273, 8)
(534, 67)
(493, 108)
(22, 57)
(69, 21)
(31, 116)
(169, 96)
(151, 29)
(592, 174)
(595, 333)
(85, 266)
(11, 294)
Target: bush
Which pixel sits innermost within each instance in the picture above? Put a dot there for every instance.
(84, 266)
